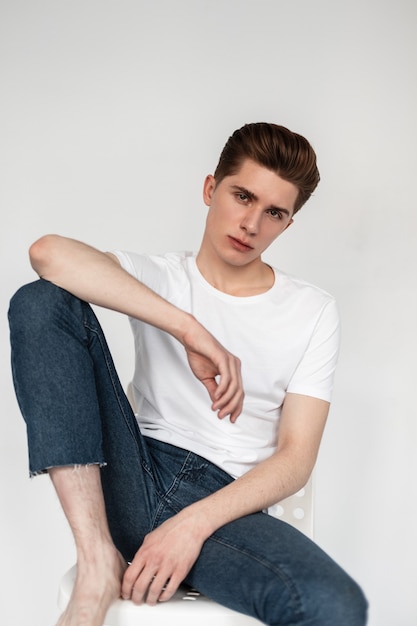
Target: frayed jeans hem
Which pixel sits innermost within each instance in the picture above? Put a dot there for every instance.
(74, 466)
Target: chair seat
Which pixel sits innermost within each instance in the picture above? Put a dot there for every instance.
(185, 607)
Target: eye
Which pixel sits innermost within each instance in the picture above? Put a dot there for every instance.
(242, 196)
(275, 213)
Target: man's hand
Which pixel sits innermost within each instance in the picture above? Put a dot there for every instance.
(217, 369)
(164, 559)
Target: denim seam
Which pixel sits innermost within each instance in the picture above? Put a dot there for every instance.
(165, 498)
(110, 371)
(141, 460)
(279, 572)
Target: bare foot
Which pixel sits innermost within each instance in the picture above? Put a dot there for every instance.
(96, 587)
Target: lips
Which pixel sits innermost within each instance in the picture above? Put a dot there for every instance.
(238, 244)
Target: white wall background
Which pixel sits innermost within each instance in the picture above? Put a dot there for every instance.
(112, 113)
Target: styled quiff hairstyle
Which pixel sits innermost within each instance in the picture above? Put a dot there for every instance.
(275, 147)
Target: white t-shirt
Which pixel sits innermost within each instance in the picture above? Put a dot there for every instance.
(286, 338)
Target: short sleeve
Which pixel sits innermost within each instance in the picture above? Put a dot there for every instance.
(164, 274)
(138, 265)
(314, 375)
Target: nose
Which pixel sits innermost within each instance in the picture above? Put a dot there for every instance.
(250, 222)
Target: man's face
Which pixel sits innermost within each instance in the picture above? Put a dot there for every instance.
(247, 212)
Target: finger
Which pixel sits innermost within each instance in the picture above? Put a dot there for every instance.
(170, 588)
(157, 587)
(130, 577)
(231, 400)
(226, 378)
(230, 376)
(142, 586)
(233, 409)
(230, 404)
(211, 386)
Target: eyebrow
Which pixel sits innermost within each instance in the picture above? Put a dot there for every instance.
(254, 197)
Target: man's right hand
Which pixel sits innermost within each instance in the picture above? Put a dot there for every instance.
(217, 369)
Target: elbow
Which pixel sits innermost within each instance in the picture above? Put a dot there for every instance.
(41, 254)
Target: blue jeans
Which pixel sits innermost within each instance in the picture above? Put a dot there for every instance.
(77, 413)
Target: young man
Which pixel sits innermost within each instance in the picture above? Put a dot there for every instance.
(233, 377)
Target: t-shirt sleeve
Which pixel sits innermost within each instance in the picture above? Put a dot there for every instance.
(163, 274)
(132, 263)
(314, 375)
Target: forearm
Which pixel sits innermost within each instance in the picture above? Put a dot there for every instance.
(171, 549)
(302, 423)
(268, 483)
(98, 278)
(95, 277)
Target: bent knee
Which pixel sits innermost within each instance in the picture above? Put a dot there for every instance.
(34, 301)
(320, 600)
(29, 297)
(340, 601)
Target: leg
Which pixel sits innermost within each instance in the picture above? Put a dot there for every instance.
(273, 572)
(263, 567)
(100, 566)
(77, 414)
(79, 419)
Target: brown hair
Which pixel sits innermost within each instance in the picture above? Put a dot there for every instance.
(275, 147)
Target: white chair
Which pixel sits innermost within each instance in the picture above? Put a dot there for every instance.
(188, 606)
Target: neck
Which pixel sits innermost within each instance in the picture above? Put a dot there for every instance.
(236, 280)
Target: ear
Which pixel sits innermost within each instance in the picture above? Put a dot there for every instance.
(208, 189)
(289, 224)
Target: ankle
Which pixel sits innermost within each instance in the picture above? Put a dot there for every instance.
(98, 556)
